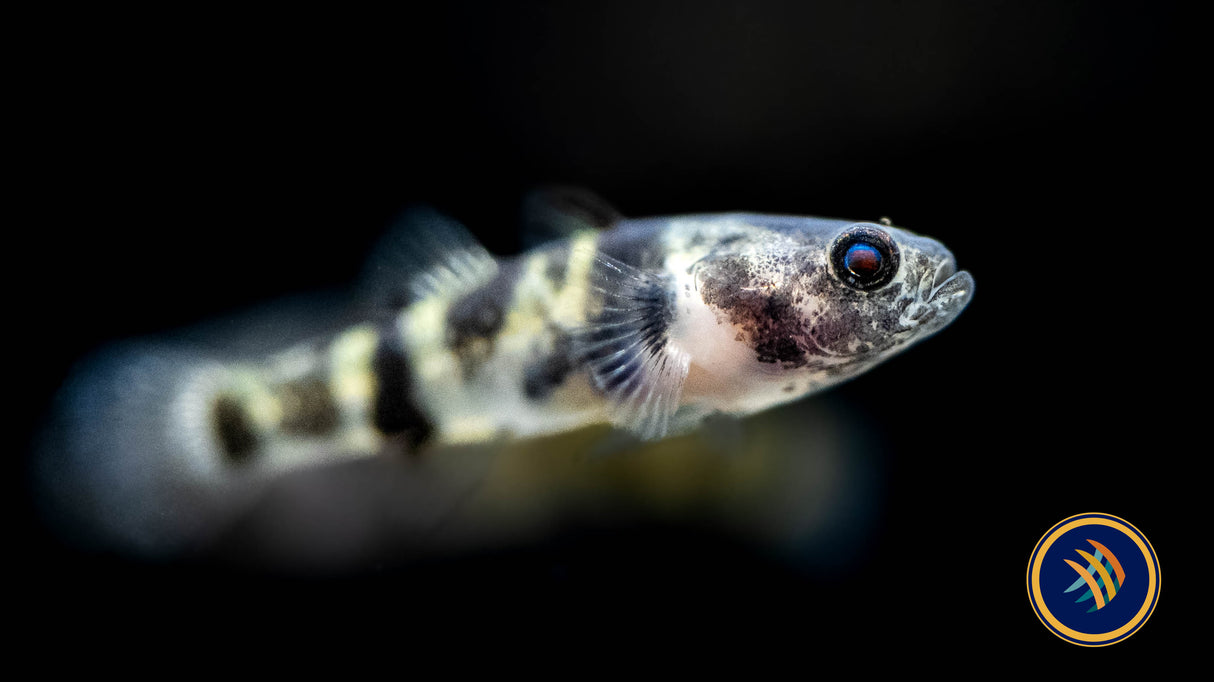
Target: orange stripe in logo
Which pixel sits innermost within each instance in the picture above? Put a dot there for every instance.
(1083, 573)
(1112, 560)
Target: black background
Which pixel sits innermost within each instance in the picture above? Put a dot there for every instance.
(186, 165)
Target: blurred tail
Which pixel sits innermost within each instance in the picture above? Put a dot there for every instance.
(145, 453)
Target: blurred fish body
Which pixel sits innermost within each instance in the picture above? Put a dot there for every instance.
(652, 325)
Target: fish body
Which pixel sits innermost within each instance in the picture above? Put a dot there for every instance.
(652, 325)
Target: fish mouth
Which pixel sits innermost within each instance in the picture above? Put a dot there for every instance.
(951, 289)
(939, 299)
(944, 271)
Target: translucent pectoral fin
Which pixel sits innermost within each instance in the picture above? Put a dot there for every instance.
(628, 350)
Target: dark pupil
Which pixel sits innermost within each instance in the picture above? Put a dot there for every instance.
(862, 260)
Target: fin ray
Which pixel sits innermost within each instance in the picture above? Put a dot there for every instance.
(627, 349)
(423, 254)
(556, 212)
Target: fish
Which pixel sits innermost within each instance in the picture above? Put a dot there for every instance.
(652, 325)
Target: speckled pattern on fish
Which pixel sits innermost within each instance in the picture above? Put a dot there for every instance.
(650, 324)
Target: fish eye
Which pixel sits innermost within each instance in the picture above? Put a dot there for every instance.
(864, 257)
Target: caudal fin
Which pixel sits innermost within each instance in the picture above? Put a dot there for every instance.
(130, 457)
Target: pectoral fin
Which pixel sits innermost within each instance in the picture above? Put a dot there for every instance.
(628, 350)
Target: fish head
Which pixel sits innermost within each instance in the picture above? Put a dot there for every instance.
(825, 300)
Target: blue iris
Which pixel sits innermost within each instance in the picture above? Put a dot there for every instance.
(862, 260)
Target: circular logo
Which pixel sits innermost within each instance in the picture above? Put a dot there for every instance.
(1093, 579)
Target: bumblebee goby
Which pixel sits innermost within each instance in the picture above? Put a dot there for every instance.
(652, 325)
(655, 324)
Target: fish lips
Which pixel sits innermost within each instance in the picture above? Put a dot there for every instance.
(951, 290)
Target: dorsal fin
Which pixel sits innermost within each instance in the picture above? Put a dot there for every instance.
(628, 350)
(556, 212)
(424, 253)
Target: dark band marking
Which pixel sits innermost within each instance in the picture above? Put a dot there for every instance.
(770, 319)
(308, 407)
(480, 314)
(542, 377)
(237, 439)
(394, 411)
(778, 325)
(558, 263)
